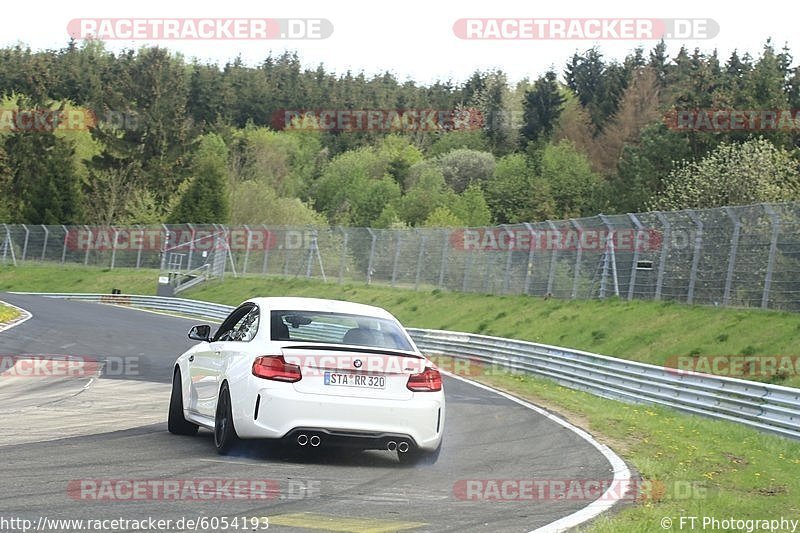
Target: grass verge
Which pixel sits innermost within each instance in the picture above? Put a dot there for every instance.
(7, 314)
(693, 466)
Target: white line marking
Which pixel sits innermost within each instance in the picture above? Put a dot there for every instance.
(25, 316)
(622, 475)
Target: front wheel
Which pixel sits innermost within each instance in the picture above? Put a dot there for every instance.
(176, 422)
(224, 431)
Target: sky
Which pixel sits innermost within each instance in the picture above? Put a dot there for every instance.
(415, 39)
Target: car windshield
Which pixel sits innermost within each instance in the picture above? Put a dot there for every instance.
(338, 328)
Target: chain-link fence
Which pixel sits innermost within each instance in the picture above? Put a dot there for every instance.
(747, 256)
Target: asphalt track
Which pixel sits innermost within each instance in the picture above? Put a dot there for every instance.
(487, 437)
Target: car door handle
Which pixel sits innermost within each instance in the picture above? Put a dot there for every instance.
(191, 358)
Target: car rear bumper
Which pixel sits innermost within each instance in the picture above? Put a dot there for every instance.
(282, 411)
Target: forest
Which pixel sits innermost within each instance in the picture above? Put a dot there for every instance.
(90, 136)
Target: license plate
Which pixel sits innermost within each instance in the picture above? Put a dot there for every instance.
(364, 381)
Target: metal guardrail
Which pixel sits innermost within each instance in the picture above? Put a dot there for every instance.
(766, 407)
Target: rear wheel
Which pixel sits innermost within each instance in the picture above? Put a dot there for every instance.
(224, 431)
(176, 422)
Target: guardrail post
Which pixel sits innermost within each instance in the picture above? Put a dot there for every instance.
(398, 241)
(44, 244)
(25, 243)
(114, 247)
(445, 248)
(635, 261)
(420, 255)
(552, 272)
(529, 269)
(737, 226)
(66, 239)
(371, 255)
(249, 242)
(88, 246)
(698, 245)
(578, 254)
(665, 239)
(773, 247)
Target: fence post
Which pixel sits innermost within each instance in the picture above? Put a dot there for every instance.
(249, 242)
(578, 255)
(192, 237)
(343, 259)
(552, 272)
(66, 238)
(371, 255)
(635, 260)
(420, 255)
(511, 245)
(44, 244)
(267, 246)
(773, 247)
(165, 247)
(666, 236)
(88, 246)
(737, 226)
(468, 269)
(114, 247)
(530, 258)
(398, 241)
(8, 243)
(139, 251)
(445, 248)
(25, 244)
(698, 245)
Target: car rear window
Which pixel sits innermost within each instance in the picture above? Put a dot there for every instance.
(338, 328)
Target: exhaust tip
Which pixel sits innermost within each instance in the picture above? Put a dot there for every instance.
(403, 446)
(315, 440)
(302, 439)
(391, 445)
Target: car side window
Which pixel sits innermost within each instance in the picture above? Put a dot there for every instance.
(229, 328)
(248, 327)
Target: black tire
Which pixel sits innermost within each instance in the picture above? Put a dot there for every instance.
(416, 456)
(176, 422)
(224, 431)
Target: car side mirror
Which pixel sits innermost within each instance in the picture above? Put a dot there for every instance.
(200, 333)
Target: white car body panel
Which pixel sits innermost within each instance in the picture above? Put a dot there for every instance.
(340, 410)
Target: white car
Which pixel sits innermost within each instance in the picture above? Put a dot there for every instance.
(310, 372)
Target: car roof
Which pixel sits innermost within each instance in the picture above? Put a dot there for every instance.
(292, 303)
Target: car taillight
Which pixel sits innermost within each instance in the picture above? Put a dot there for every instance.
(430, 380)
(274, 367)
